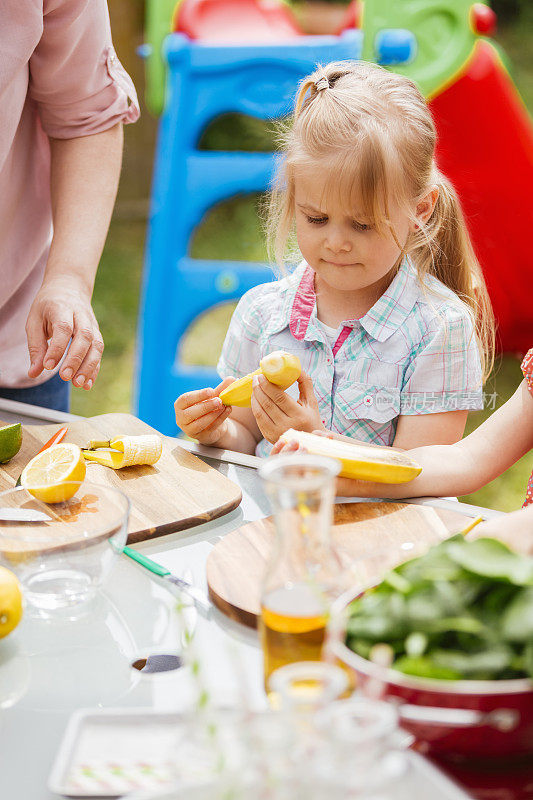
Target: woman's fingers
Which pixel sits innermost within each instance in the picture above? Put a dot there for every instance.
(62, 327)
(88, 370)
(84, 356)
(37, 342)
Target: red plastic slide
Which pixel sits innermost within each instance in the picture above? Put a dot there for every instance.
(486, 149)
(236, 21)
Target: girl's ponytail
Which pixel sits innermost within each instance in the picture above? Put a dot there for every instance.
(442, 247)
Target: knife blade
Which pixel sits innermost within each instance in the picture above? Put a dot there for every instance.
(201, 600)
(23, 515)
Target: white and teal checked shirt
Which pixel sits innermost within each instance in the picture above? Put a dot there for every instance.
(414, 352)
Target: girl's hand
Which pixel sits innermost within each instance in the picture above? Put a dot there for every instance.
(275, 412)
(202, 415)
(286, 447)
(345, 487)
(515, 530)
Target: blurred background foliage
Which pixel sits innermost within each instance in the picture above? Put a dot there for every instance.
(233, 230)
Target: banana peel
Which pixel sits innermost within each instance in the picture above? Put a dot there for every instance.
(124, 451)
(280, 368)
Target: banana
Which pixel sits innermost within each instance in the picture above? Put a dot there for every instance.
(364, 463)
(124, 451)
(279, 367)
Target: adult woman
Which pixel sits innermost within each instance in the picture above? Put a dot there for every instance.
(63, 99)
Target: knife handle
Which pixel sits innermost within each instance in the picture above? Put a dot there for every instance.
(157, 569)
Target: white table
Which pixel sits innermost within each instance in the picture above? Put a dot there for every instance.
(48, 670)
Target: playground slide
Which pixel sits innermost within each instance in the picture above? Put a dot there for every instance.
(235, 21)
(485, 134)
(486, 149)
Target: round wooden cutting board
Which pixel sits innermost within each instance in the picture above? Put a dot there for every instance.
(375, 536)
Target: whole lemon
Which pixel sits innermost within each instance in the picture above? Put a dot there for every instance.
(10, 602)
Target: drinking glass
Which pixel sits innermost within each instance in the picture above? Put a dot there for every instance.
(63, 559)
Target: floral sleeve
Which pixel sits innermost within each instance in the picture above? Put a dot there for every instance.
(527, 369)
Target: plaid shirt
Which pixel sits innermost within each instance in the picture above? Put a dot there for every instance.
(414, 352)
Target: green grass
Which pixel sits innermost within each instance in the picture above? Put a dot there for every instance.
(115, 303)
(232, 231)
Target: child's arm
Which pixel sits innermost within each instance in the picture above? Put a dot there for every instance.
(446, 427)
(460, 468)
(241, 432)
(464, 467)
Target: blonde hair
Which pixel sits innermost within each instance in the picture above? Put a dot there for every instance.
(375, 132)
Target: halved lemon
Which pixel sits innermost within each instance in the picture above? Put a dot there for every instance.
(47, 475)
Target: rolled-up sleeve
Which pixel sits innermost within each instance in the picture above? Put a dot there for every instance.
(445, 373)
(76, 79)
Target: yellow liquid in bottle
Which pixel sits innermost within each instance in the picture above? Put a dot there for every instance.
(292, 626)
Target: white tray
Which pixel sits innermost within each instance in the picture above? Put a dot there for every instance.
(149, 738)
(97, 739)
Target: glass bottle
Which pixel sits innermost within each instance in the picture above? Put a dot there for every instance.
(304, 573)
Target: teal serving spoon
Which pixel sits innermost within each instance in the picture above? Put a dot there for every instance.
(200, 599)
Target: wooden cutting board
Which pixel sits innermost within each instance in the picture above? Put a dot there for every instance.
(176, 493)
(372, 536)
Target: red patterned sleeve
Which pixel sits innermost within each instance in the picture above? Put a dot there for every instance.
(527, 369)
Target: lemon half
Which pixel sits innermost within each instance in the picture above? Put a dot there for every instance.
(47, 475)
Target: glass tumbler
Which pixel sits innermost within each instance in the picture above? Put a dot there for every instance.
(63, 552)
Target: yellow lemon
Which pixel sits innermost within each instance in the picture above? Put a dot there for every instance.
(46, 476)
(10, 602)
(10, 441)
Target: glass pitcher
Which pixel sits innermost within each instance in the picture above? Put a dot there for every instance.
(304, 574)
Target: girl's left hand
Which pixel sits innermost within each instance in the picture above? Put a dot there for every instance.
(275, 411)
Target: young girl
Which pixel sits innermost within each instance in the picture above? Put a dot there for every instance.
(388, 312)
(468, 465)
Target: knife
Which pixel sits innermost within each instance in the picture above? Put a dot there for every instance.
(55, 439)
(200, 599)
(23, 515)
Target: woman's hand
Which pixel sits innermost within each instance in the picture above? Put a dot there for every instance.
(60, 314)
(275, 411)
(202, 414)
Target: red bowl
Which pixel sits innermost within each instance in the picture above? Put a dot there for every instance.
(458, 720)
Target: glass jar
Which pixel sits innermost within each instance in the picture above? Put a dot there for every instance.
(304, 574)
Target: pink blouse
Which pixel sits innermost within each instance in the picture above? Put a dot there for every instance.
(59, 77)
(527, 369)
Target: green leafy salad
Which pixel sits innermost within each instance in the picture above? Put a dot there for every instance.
(464, 610)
